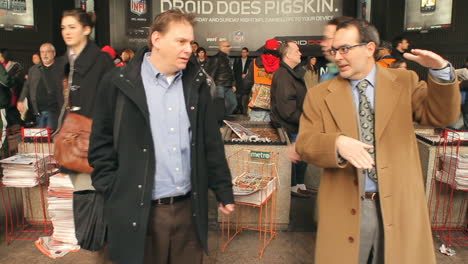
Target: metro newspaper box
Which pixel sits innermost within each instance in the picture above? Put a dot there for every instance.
(255, 175)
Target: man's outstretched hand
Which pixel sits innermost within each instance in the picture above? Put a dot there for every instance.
(426, 58)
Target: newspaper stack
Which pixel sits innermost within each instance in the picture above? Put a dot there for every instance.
(454, 170)
(61, 208)
(27, 169)
(63, 239)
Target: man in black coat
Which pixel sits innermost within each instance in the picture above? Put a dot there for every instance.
(288, 91)
(220, 69)
(156, 149)
(40, 88)
(241, 68)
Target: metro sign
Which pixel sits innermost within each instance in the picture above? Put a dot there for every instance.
(138, 7)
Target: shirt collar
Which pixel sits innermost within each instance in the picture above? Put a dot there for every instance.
(153, 71)
(370, 78)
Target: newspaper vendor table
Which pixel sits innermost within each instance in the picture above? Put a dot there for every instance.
(279, 142)
(444, 158)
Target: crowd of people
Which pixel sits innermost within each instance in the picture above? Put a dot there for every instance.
(155, 147)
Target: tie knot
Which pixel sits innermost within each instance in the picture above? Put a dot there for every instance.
(362, 85)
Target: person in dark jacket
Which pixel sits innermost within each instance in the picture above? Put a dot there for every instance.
(288, 91)
(220, 69)
(156, 149)
(40, 89)
(8, 97)
(241, 68)
(87, 65)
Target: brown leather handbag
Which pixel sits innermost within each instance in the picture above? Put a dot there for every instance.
(72, 142)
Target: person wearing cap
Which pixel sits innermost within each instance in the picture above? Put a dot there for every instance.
(259, 79)
(385, 58)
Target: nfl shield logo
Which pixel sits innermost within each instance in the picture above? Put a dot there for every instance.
(138, 7)
(238, 36)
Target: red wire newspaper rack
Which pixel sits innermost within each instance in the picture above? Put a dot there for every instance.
(27, 162)
(448, 199)
(255, 182)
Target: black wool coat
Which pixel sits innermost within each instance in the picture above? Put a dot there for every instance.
(90, 67)
(288, 92)
(126, 174)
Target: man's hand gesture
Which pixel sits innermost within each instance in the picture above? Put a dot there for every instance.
(355, 152)
(426, 58)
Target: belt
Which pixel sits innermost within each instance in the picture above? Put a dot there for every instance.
(171, 200)
(371, 195)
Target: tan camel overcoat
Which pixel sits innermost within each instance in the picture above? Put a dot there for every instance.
(400, 99)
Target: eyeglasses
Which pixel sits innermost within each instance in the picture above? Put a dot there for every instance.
(344, 49)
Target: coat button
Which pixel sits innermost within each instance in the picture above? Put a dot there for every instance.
(121, 75)
(194, 214)
(144, 150)
(197, 80)
(141, 204)
(192, 108)
(353, 211)
(139, 186)
(200, 74)
(193, 144)
(351, 239)
(134, 224)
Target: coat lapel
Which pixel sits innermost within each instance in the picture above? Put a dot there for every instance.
(133, 87)
(340, 102)
(386, 98)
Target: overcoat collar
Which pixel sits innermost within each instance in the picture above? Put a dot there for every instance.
(340, 102)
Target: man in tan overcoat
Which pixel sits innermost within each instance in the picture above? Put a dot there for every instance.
(372, 206)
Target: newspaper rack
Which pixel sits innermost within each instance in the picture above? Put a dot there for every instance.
(22, 220)
(448, 199)
(255, 183)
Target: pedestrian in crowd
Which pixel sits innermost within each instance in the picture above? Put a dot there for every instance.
(87, 65)
(5, 82)
(202, 59)
(311, 72)
(288, 91)
(241, 68)
(40, 89)
(384, 57)
(220, 69)
(194, 55)
(36, 58)
(259, 78)
(400, 46)
(125, 56)
(326, 44)
(155, 161)
(372, 187)
(399, 64)
(9, 96)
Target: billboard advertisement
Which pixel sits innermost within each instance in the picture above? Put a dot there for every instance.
(16, 14)
(248, 23)
(423, 15)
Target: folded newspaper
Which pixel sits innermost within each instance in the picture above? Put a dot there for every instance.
(248, 183)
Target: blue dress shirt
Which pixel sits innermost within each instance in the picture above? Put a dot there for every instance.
(170, 129)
